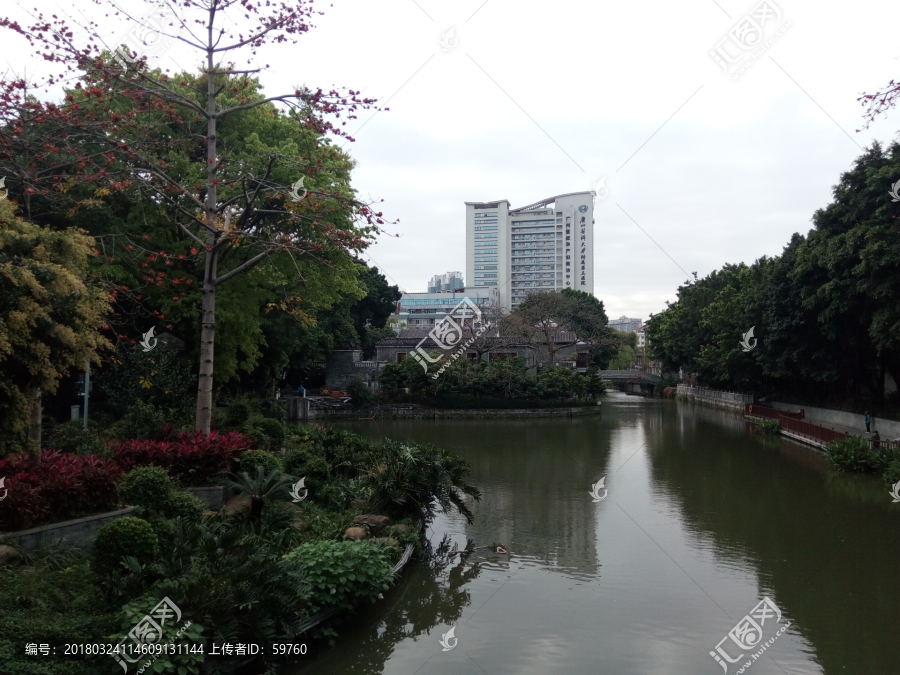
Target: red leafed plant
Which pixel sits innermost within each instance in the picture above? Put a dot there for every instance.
(191, 459)
(63, 486)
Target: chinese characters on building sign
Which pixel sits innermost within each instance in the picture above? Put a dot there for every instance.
(582, 209)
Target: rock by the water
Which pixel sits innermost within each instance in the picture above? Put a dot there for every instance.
(237, 505)
(376, 523)
(402, 528)
(387, 541)
(299, 524)
(7, 554)
(355, 533)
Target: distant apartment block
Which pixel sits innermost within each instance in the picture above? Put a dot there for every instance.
(424, 310)
(626, 324)
(451, 281)
(548, 245)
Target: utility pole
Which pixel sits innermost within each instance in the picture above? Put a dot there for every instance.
(87, 390)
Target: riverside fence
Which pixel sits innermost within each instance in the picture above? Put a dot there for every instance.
(794, 425)
(728, 399)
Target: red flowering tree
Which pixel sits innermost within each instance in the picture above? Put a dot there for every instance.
(147, 137)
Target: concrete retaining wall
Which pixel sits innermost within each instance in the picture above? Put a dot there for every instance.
(888, 429)
(213, 497)
(79, 532)
(434, 413)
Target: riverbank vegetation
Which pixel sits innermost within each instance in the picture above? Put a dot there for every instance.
(251, 572)
(825, 312)
(471, 383)
(559, 329)
(862, 456)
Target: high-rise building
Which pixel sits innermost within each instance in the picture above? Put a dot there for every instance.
(451, 281)
(626, 324)
(548, 245)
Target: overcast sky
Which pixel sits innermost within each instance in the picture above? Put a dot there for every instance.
(534, 99)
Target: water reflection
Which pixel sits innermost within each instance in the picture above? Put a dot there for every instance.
(702, 519)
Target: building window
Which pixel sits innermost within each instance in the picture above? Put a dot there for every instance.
(400, 356)
(496, 356)
(485, 259)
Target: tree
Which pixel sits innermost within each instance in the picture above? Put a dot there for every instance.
(232, 206)
(487, 335)
(553, 320)
(49, 318)
(624, 357)
(826, 313)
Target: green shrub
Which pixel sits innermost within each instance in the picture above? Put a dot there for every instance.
(237, 414)
(303, 463)
(183, 504)
(148, 487)
(273, 430)
(849, 454)
(770, 427)
(144, 421)
(126, 536)
(154, 493)
(359, 392)
(232, 581)
(50, 600)
(337, 494)
(343, 573)
(300, 433)
(892, 473)
(72, 438)
(188, 632)
(251, 459)
(880, 458)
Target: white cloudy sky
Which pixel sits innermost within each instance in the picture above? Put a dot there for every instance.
(543, 98)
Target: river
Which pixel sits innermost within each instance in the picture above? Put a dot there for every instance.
(702, 521)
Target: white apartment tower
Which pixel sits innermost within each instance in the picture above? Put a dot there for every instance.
(548, 245)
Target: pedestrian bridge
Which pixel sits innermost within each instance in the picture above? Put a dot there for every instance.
(635, 381)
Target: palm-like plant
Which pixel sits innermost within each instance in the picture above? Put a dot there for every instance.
(261, 487)
(407, 478)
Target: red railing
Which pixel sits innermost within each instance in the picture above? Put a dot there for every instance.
(809, 429)
(797, 426)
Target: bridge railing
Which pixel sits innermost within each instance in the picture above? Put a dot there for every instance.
(715, 394)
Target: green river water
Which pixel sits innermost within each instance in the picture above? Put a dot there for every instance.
(702, 521)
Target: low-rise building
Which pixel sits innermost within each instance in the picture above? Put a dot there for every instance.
(424, 310)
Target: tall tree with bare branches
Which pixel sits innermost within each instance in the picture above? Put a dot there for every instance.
(136, 126)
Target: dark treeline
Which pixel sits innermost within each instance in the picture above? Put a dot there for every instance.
(826, 311)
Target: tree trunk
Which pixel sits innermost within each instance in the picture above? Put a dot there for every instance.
(208, 311)
(34, 426)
